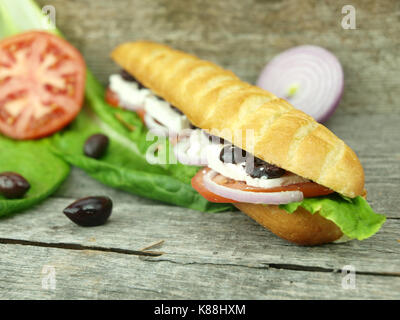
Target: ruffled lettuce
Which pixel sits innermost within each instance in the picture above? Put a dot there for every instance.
(354, 216)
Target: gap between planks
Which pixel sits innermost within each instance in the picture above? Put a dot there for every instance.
(148, 254)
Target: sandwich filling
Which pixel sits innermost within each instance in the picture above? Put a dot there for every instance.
(232, 174)
(158, 114)
(232, 163)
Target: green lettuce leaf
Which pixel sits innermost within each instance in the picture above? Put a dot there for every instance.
(353, 216)
(34, 161)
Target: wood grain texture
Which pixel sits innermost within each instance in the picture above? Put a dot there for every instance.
(193, 237)
(223, 255)
(87, 274)
(244, 35)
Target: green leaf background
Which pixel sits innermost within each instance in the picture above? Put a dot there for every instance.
(33, 160)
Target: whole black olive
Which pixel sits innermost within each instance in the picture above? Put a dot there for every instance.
(232, 154)
(90, 211)
(96, 145)
(13, 185)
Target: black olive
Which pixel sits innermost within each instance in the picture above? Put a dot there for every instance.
(214, 139)
(13, 185)
(264, 169)
(96, 145)
(90, 211)
(232, 154)
(128, 77)
(255, 167)
(256, 172)
(274, 171)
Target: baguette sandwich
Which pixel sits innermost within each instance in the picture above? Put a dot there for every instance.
(273, 162)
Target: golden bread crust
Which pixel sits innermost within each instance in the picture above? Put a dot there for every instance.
(215, 99)
(300, 227)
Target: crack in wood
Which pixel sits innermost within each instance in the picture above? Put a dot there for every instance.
(144, 254)
(291, 267)
(295, 267)
(72, 246)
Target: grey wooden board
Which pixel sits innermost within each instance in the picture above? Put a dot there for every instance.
(244, 35)
(195, 237)
(224, 255)
(87, 274)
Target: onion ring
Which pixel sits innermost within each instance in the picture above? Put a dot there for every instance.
(249, 196)
(309, 77)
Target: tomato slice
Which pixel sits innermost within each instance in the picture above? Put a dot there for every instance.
(309, 189)
(42, 79)
(112, 98)
(198, 185)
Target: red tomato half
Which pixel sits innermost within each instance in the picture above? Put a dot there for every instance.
(309, 189)
(42, 79)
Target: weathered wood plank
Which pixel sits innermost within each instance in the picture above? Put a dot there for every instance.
(79, 185)
(97, 275)
(195, 237)
(244, 35)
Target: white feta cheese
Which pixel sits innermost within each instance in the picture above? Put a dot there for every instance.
(128, 92)
(198, 144)
(163, 113)
(133, 98)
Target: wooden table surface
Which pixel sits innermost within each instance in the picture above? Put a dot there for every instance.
(225, 255)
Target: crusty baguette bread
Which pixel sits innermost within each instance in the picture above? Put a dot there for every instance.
(300, 227)
(215, 99)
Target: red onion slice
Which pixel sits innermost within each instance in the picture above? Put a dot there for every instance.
(248, 196)
(182, 155)
(309, 77)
